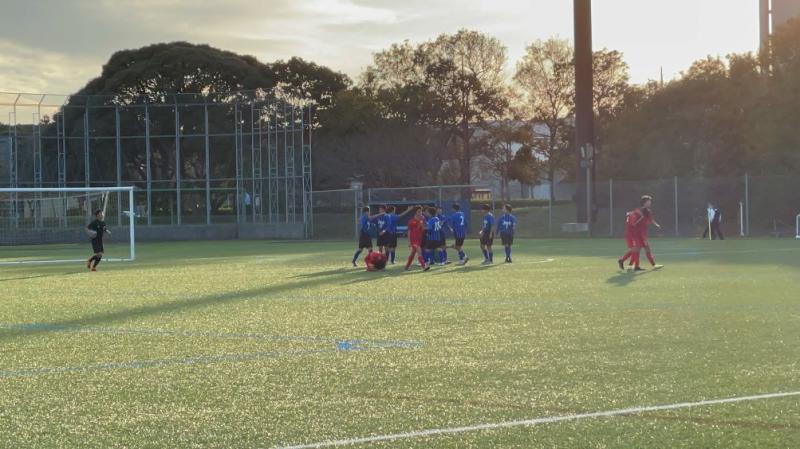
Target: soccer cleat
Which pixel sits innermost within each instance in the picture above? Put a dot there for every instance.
(89, 264)
(621, 265)
(466, 259)
(658, 267)
(638, 269)
(426, 268)
(93, 269)
(509, 260)
(355, 265)
(447, 262)
(486, 262)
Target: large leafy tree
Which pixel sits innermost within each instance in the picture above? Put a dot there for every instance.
(453, 84)
(178, 73)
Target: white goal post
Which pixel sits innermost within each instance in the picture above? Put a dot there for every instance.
(47, 225)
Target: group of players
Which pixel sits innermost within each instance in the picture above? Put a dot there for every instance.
(427, 235)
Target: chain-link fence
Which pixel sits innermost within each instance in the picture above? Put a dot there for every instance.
(757, 206)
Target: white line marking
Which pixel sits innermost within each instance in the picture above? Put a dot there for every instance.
(533, 422)
(536, 262)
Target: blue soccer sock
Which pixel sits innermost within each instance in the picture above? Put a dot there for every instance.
(391, 256)
(461, 255)
(355, 257)
(491, 256)
(428, 256)
(508, 252)
(442, 256)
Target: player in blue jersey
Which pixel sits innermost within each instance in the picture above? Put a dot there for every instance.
(434, 235)
(366, 222)
(391, 229)
(487, 235)
(506, 227)
(443, 242)
(381, 226)
(458, 223)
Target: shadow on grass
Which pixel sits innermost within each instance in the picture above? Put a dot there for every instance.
(172, 306)
(36, 276)
(622, 279)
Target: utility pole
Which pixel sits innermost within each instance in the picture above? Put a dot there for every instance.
(584, 108)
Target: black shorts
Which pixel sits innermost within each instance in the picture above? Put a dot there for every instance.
(487, 239)
(364, 241)
(443, 243)
(431, 244)
(508, 239)
(459, 241)
(392, 241)
(384, 239)
(97, 245)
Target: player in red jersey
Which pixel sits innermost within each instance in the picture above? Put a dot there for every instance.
(647, 218)
(416, 229)
(376, 261)
(632, 220)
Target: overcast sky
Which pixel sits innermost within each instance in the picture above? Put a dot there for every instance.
(56, 46)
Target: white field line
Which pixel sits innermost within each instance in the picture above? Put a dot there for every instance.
(535, 421)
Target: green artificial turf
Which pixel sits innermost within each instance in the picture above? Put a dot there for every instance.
(262, 345)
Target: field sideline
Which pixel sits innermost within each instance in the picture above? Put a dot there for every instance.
(270, 344)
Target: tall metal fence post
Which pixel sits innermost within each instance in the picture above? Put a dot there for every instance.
(356, 202)
(677, 232)
(747, 204)
(550, 211)
(610, 207)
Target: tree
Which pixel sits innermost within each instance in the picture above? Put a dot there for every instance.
(546, 77)
(499, 143)
(524, 167)
(453, 84)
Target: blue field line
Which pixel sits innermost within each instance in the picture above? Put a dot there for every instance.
(408, 344)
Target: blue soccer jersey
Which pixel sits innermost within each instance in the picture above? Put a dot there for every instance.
(459, 223)
(488, 223)
(382, 223)
(434, 229)
(443, 220)
(391, 223)
(366, 224)
(507, 224)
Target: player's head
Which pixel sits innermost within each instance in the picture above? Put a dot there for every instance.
(456, 207)
(418, 211)
(508, 208)
(486, 208)
(391, 209)
(439, 210)
(99, 214)
(382, 209)
(431, 211)
(365, 210)
(646, 201)
(380, 262)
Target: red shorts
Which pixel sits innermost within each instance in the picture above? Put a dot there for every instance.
(643, 241)
(632, 242)
(415, 243)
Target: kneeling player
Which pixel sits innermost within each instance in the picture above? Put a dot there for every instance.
(376, 261)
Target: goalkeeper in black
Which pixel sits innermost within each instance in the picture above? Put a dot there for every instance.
(96, 229)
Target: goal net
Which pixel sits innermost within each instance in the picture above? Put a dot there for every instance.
(49, 225)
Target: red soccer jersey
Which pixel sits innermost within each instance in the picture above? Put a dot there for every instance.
(647, 218)
(632, 220)
(415, 231)
(374, 257)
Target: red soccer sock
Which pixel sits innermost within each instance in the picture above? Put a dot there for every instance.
(650, 257)
(421, 260)
(635, 259)
(411, 258)
(626, 256)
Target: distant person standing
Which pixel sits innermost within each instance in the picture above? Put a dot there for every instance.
(714, 219)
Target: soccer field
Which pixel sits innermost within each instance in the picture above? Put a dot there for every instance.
(243, 344)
